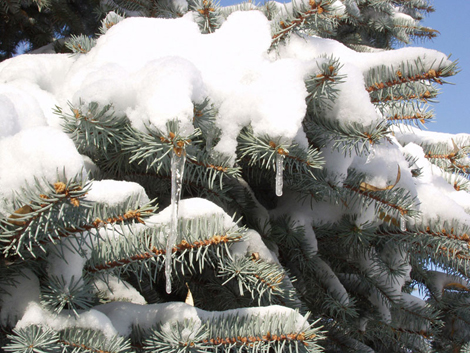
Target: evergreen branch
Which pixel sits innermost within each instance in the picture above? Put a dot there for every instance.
(207, 14)
(429, 242)
(262, 150)
(397, 109)
(346, 234)
(341, 340)
(419, 5)
(389, 200)
(345, 136)
(33, 338)
(264, 281)
(419, 31)
(58, 294)
(415, 118)
(30, 226)
(321, 87)
(305, 16)
(158, 251)
(315, 278)
(89, 340)
(93, 128)
(371, 195)
(202, 238)
(208, 167)
(449, 154)
(109, 21)
(459, 182)
(318, 188)
(428, 314)
(430, 75)
(154, 147)
(402, 337)
(411, 91)
(443, 232)
(44, 216)
(42, 339)
(406, 82)
(205, 114)
(80, 44)
(231, 331)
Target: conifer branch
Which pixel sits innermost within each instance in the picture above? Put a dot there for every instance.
(426, 93)
(418, 117)
(315, 10)
(31, 224)
(419, 31)
(40, 220)
(416, 5)
(157, 252)
(431, 75)
(345, 136)
(261, 150)
(207, 14)
(252, 333)
(377, 197)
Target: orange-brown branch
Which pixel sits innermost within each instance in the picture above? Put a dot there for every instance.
(82, 346)
(426, 32)
(184, 245)
(376, 198)
(417, 116)
(283, 152)
(430, 75)
(206, 165)
(423, 96)
(268, 337)
(315, 9)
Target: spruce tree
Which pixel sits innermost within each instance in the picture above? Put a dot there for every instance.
(250, 178)
(28, 25)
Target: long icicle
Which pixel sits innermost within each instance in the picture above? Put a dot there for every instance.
(279, 173)
(402, 223)
(178, 159)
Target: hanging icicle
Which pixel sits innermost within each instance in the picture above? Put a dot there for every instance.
(402, 223)
(209, 140)
(371, 155)
(178, 158)
(279, 173)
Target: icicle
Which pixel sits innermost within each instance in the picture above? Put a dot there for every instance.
(209, 141)
(177, 170)
(371, 155)
(279, 173)
(402, 223)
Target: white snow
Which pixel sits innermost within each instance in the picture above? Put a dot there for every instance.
(190, 209)
(124, 315)
(116, 289)
(38, 152)
(252, 243)
(158, 83)
(441, 281)
(93, 319)
(67, 263)
(113, 193)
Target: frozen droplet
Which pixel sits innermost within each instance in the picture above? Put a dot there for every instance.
(177, 170)
(402, 224)
(279, 173)
(209, 141)
(371, 155)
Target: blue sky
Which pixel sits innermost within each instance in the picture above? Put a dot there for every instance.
(451, 20)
